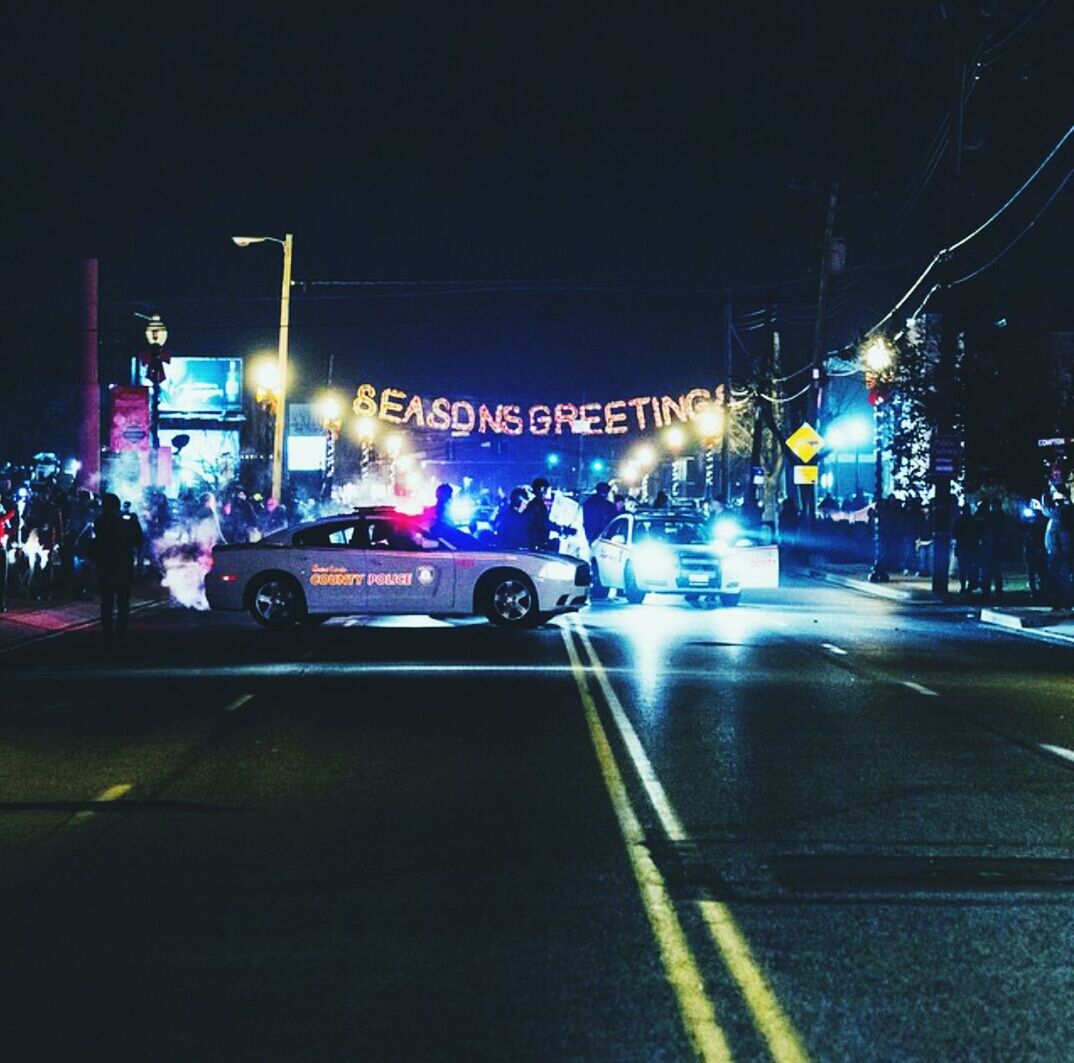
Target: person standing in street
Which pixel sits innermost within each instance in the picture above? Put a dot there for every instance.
(5, 522)
(598, 511)
(967, 536)
(993, 535)
(513, 524)
(117, 537)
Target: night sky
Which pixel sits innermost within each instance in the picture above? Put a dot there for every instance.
(619, 169)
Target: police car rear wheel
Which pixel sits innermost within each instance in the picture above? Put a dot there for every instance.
(729, 600)
(277, 602)
(597, 591)
(511, 601)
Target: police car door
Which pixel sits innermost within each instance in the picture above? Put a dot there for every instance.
(408, 572)
(610, 552)
(330, 568)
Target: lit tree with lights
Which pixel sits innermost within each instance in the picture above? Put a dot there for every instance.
(910, 415)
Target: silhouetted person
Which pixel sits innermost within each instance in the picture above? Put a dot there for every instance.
(598, 511)
(117, 538)
(967, 535)
(513, 523)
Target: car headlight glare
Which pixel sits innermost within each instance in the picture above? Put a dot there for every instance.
(655, 562)
(728, 529)
(561, 570)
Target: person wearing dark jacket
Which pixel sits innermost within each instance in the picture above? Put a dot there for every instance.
(598, 511)
(513, 526)
(117, 539)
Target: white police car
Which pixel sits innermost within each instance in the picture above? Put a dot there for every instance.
(666, 552)
(377, 560)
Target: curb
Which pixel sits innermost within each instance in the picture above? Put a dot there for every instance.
(1017, 626)
(76, 625)
(877, 590)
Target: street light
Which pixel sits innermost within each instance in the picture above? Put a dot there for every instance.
(285, 313)
(366, 429)
(878, 357)
(675, 439)
(645, 456)
(709, 424)
(394, 446)
(156, 335)
(330, 411)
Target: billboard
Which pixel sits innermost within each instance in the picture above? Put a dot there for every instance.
(204, 387)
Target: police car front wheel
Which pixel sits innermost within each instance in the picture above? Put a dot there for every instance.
(509, 600)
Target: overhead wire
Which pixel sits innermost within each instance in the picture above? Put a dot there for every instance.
(944, 252)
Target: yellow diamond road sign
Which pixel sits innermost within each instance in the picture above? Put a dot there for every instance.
(805, 442)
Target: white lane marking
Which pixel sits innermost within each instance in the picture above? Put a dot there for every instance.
(1059, 751)
(238, 702)
(113, 793)
(834, 649)
(919, 689)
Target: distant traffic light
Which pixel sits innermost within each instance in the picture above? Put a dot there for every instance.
(596, 465)
(553, 460)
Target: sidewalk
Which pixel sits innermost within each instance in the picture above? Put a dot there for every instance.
(28, 621)
(1015, 611)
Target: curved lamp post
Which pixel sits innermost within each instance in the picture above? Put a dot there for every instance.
(285, 314)
(156, 335)
(878, 358)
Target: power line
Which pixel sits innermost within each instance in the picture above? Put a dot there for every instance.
(972, 235)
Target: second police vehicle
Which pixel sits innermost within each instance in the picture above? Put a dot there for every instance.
(664, 551)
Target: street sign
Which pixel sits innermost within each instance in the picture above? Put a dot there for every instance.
(805, 442)
(946, 450)
(805, 474)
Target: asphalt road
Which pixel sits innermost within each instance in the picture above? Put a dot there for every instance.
(817, 826)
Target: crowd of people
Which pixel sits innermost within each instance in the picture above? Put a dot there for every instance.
(49, 532)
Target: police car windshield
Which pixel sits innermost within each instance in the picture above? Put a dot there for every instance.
(677, 532)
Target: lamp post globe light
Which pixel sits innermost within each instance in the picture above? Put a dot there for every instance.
(285, 314)
(878, 358)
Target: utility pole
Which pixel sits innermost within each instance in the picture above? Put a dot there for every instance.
(725, 445)
(815, 394)
(944, 426)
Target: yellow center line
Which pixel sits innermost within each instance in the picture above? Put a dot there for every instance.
(768, 1017)
(699, 1016)
(113, 793)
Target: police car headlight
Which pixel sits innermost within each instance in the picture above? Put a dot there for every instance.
(655, 562)
(727, 530)
(561, 570)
